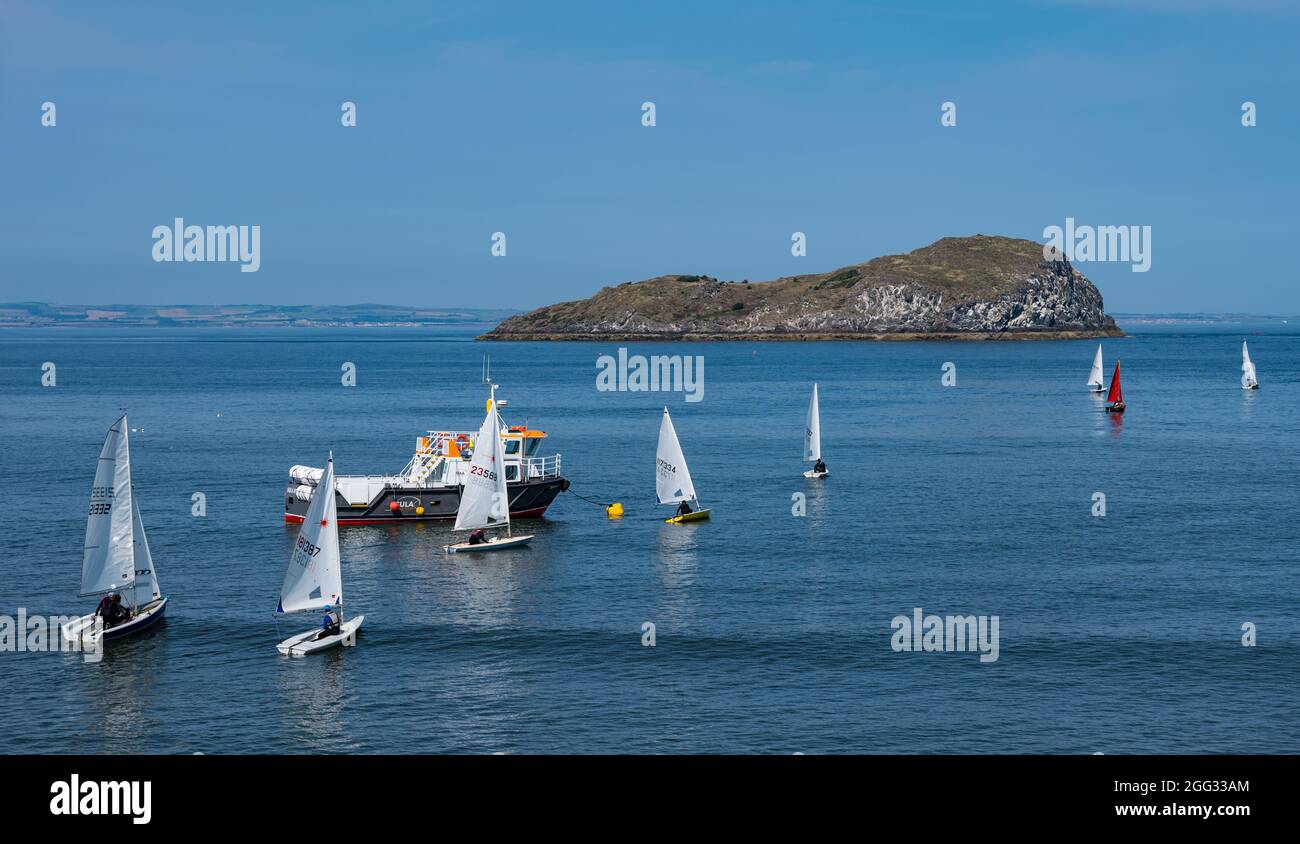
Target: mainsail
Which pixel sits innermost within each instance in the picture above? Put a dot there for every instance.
(812, 432)
(672, 478)
(1095, 378)
(485, 502)
(313, 578)
(1115, 395)
(108, 559)
(1248, 378)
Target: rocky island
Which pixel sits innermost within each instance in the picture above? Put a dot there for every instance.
(967, 288)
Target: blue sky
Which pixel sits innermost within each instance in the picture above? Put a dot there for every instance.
(820, 117)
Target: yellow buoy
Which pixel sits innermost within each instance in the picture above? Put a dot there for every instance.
(419, 511)
(614, 511)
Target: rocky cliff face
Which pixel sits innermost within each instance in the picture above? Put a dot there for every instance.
(977, 287)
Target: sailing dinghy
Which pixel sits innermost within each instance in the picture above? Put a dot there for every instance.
(1096, 382)
(314, 577)
(116, 558)
(672, 479)
(1116, 395)
(812, 439)
(485, 502)
(1248, 379)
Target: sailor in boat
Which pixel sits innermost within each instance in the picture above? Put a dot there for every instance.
(330, 623)
(111, 610)
(819, 466)
(684, 509)
(478, 537)
(105, 608)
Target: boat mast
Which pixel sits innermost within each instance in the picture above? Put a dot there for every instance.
(496, 432)
(501, 469)
(130, 483)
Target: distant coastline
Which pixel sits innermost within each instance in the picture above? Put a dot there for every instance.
(44, 314)
(1199, 318)
(41, 314)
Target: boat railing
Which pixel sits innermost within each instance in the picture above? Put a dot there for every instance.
(542, 467)
(426, 460)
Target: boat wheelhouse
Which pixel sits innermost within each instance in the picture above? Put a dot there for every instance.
(430, 487)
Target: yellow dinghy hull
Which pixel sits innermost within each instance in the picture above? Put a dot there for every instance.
(697, 516)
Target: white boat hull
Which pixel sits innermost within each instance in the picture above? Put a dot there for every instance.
(693, 516)
(495, 544)
(813, 473)
(83, 628)
(313, 642)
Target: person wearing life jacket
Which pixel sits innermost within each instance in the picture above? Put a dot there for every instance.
(819, 466)
(684, 509)
(330, 623)
(105, 610)
(111, 610)
(478, 537)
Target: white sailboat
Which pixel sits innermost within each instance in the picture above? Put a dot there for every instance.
(1096, 382)
(116, 559)
(673, 483)
(485, 502)
(812, 439)
(314, 577)
(1248, 379)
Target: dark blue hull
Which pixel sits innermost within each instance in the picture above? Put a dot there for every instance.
(137, 624)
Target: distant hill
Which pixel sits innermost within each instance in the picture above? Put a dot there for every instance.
(979, 287)
(42, 313)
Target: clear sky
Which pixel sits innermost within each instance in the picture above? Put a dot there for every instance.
(525, 118)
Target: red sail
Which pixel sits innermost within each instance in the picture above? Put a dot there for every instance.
(1115, 394)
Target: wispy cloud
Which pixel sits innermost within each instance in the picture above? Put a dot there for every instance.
(782, 67)
(1186, 5)
(36, 38)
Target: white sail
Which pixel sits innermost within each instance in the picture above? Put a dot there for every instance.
(108, 559)
(672, 478)
(1248, 378)
(146, 579)
(313, 578)
(1095, 379)
(483, 503)
(812, 432)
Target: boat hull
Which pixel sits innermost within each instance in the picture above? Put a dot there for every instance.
(813, 473)
(310, 642)
(83, 627)
(499, 543)
(527, 500)
(697, 516)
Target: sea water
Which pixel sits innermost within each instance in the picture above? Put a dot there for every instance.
(772, 631)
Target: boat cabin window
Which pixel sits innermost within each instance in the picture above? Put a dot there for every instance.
(512, 471)
(512, 446)
(531, 448)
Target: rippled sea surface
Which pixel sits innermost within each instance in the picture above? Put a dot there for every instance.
(1119, 634)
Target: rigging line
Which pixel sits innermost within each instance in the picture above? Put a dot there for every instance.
(585, 498)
